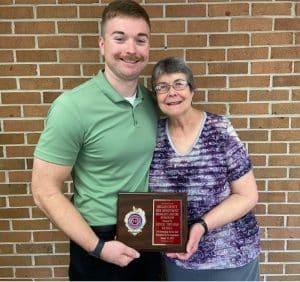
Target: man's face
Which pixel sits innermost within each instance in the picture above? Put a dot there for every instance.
(125, 46)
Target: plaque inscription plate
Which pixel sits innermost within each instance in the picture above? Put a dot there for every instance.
(153, 221)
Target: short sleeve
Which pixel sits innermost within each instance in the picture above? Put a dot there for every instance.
(238, 160)
(62, 137)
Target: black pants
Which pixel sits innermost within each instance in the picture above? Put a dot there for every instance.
(148, 267)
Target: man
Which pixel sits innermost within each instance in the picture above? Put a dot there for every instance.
(103, 134)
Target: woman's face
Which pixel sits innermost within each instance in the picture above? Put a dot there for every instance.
(172, 102)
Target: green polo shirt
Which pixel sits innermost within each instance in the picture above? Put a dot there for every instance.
(108, 142)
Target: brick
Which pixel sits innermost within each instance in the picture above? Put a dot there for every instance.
(268, 220)
(251, 24)
(34, 248)
(70, 83)
(249, 81)
(15, 260)
(295, 122)
(269, 197)
(92, 41)
(276, 122)
(227, 68)
(271, 67)
(266, 148)
(205, 55)
(257, 108)
(271, 268)
(6, 248)
(33, 272)
(49, 96)
(21, 98)
(10, 111)
(229, 10)
(214, 108)
(16, 42)
(6, 272)
(253, 135)
(13, 189)
(19, 151)
(58, 42)
(21, 201)
(287, 24)
(207, 26)
(36, 111)
(274, 38)
(90, 11)
(284, 185)
(77, 1)
(285, 108)
(15, 213)
(34, 27)
(253, 53)
(62, 247)
(49, 236)
(258, 160)
(6, 56)
(11, 164)
(271, 9)
(190, 10)
(293, 245)
(268, 95)
(284, 257)
(239, 122)
(78, 56)
(56, 12)
(285, 52)
(210, 82)
(61, 272)
(285, 209)
(285, 135)
(23, 125)
(16, 12)
(39, 83)
(51, 260)
(78, 27)
(35, 1)
(227, 96)
(286, 80)
(18, 70)
(36, 56)
(156, 55)
(266, 173)
(293, 197)
(7, 83)
(19, 176)
(167, 26)
(5, 27)
(229, 40)
(15, 236)
(197, 40)
(28, 224)
(293, 268)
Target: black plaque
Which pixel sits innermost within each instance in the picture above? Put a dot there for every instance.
(153, 221)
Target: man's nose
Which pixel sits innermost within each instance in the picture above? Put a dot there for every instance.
(131, 46)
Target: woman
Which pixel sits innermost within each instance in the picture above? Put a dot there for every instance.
(200, 153)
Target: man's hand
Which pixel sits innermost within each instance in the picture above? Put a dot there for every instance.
(118, 253)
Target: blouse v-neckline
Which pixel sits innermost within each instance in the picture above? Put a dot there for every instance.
(195, 141)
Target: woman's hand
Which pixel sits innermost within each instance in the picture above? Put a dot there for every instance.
(195, 234)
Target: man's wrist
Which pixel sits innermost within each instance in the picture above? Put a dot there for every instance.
(97, 251)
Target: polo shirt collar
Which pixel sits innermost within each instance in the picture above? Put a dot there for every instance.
(111, 93)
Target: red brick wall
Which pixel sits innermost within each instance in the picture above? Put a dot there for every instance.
(246, 59)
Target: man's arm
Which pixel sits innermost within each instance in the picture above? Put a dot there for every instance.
(47, 182)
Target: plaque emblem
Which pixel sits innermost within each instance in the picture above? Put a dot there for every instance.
(135, 220)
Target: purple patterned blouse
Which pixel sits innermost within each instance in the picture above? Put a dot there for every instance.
(217, 158)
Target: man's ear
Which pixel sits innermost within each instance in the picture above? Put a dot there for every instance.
(101, 45)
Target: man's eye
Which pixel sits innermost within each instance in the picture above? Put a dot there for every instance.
(119, 39)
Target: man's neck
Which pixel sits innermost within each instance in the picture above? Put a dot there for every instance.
(125, 88)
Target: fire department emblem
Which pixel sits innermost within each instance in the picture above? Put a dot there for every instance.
(135, 220)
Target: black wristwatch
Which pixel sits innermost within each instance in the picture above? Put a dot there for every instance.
(96, 252)
(202, 222)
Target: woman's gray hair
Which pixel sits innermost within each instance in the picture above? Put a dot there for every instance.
(171, 65)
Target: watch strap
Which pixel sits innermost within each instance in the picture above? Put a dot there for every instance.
(96, 252)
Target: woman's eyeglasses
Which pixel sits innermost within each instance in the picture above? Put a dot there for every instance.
(163, 87)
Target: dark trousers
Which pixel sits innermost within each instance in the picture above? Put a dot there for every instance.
(148, 267)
